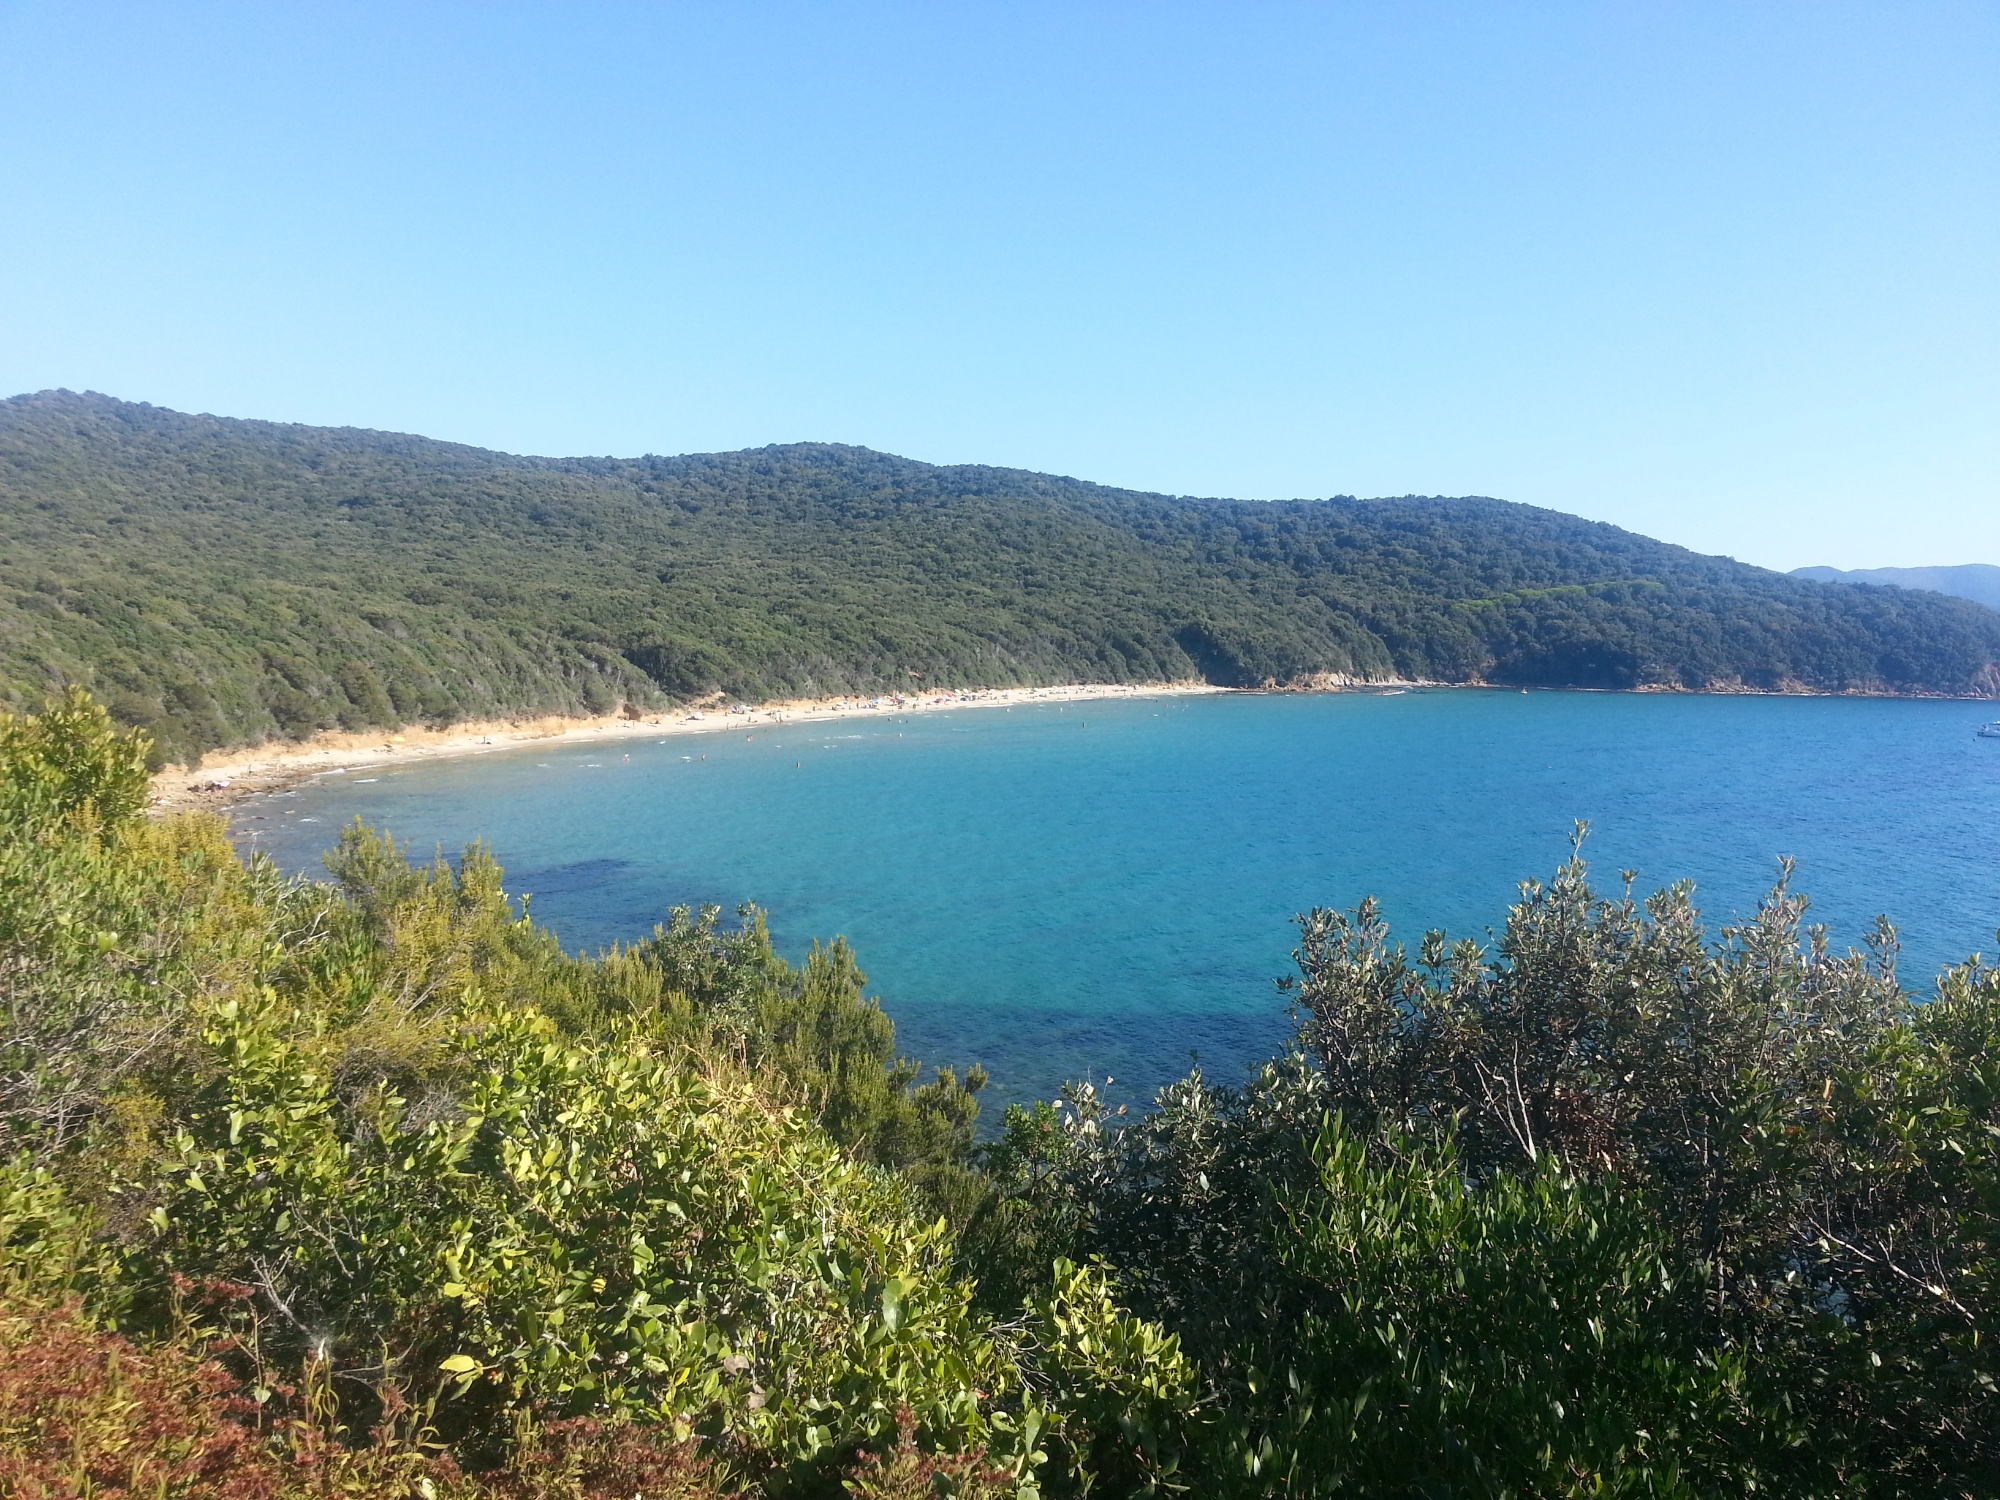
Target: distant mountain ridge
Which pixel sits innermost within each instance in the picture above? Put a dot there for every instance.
(221, 581)
(1979, 582)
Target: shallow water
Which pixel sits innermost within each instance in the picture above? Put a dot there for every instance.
(1104, 887)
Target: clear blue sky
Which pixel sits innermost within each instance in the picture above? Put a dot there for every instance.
(1727, 273)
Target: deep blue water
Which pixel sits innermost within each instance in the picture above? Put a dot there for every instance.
(1104, 887)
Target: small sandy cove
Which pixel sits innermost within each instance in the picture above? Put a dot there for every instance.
(228, 776)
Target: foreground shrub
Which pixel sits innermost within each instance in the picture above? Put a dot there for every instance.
(1531, 1334)
(601, 1228)
(1613, 1206)
(85, 1413)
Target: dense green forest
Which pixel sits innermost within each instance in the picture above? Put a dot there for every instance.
(363, 1187)
(220, 581)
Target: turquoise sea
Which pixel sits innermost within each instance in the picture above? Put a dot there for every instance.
(1104, 888)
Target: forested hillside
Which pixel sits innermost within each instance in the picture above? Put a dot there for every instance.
(220, 581)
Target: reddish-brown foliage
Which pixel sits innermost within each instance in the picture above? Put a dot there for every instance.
(582, 1459)
(87, 1413)
(905, 1472)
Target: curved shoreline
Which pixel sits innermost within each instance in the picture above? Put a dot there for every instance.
(221, 780)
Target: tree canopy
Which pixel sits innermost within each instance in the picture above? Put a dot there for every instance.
(219, 582)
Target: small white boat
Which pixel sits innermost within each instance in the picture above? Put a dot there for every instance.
(1990, 731)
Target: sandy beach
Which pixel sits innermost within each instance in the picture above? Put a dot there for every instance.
(226, 777)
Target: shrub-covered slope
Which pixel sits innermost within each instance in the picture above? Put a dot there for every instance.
(220, 581)
(399, 1164)
(366, 1188)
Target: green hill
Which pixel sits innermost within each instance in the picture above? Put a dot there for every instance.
(221, 581)
(1979, 582)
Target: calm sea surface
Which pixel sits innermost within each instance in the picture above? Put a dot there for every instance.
(1102, 888)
